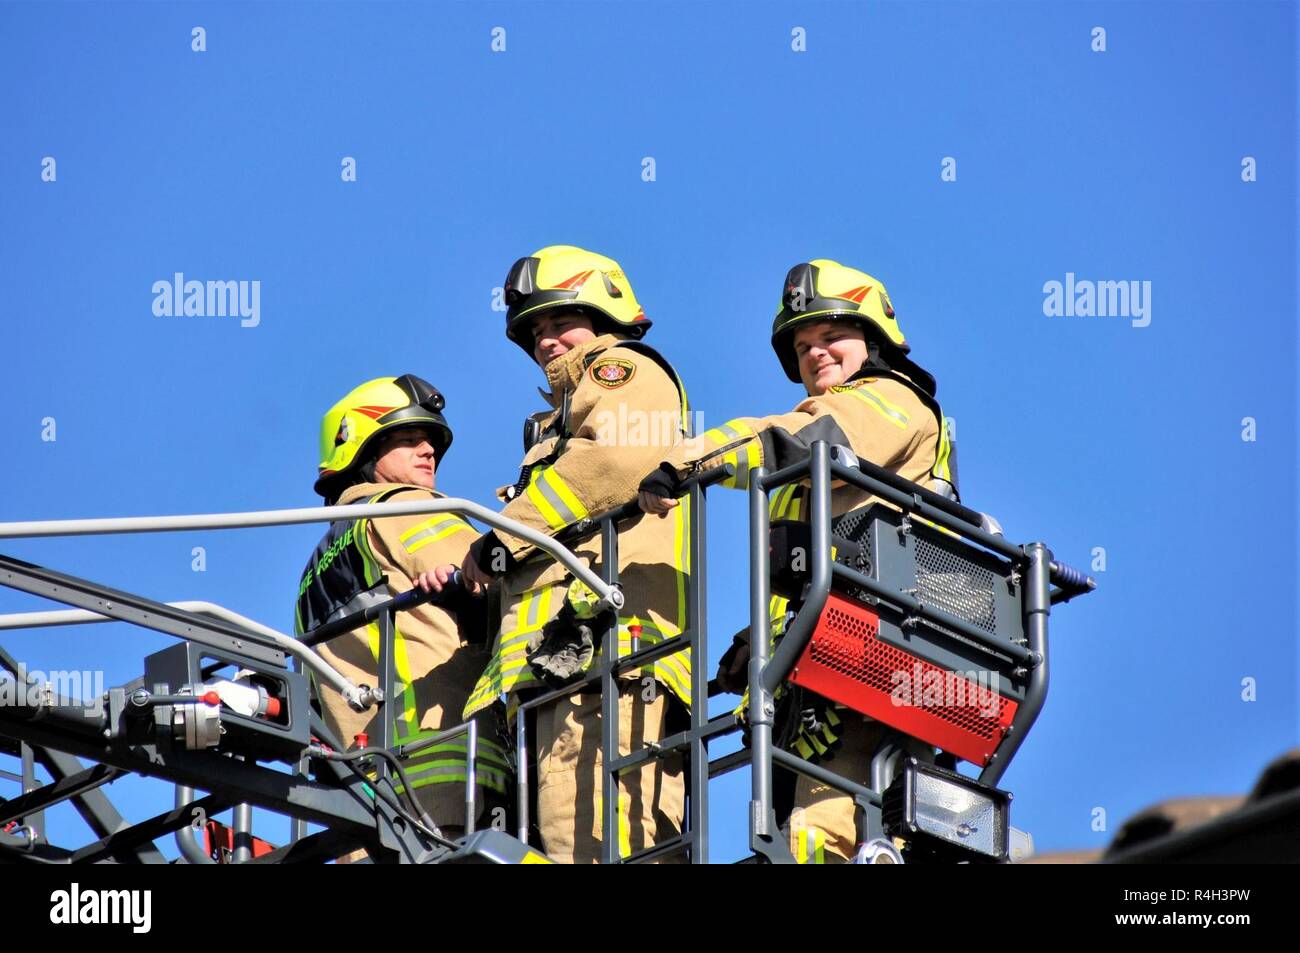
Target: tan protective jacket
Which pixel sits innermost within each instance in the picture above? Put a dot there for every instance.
(435, 666)
(625, 412)
(881, 416)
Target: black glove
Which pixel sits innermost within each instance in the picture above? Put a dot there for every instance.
(662, 482)
(485, 550)
(733, 667)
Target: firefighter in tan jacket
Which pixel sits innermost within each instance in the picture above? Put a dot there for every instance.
(835, 332)
(616, 408)
(382, 443)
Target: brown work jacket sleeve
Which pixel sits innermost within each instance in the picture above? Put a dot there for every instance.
(879, 419)
(625, 414)
(421, 543)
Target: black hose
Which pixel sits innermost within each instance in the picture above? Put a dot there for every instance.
(417, 816)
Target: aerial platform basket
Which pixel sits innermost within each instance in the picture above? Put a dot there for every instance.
(926, 679)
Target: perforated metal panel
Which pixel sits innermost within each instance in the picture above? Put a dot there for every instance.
(943, 572)
(956, 585)
(847, 661)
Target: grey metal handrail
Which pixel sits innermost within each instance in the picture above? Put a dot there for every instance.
(291, 646)
(610, 597)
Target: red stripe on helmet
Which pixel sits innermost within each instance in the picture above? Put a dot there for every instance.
(856, 295)
(576, 281)
(373, 412)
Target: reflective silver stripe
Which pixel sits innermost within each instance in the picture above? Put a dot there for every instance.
(509, 646)
(445, 526)
(544, 487)
(433, 522)
(865, 394)
(744, 454)
(362, 600)
(728, 431)
(532, 610)
(742, 469)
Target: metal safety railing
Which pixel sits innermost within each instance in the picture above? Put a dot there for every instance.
(365, 808)
(768, 669)
(219, 629)
(693, 839)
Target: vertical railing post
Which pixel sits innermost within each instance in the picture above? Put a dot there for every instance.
(761, 707)
(697, 625)
(609, 704)
(298, 826)
(1037, 609)
(521, 772)
(242, 832)
(471, 776)
(389, 706)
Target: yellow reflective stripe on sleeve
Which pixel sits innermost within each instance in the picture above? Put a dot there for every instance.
(566, 495)
(725, 433)
(431, 531)
(744, 459)
(554, 500)
(417, 545)
(436, 521)
(543, 505)
(731, 431)
(894, 414)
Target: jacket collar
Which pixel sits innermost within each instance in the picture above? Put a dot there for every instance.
(564, 373)
(362, 491)
(910, 373)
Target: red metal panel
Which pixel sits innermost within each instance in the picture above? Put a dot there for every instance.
(847, 662)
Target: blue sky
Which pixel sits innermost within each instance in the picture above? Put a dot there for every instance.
(1083, 432)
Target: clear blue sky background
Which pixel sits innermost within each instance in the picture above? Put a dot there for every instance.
(1082, 432)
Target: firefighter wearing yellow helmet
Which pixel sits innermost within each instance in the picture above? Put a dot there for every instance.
(836, 333)
(574, 313)
(381, 443)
